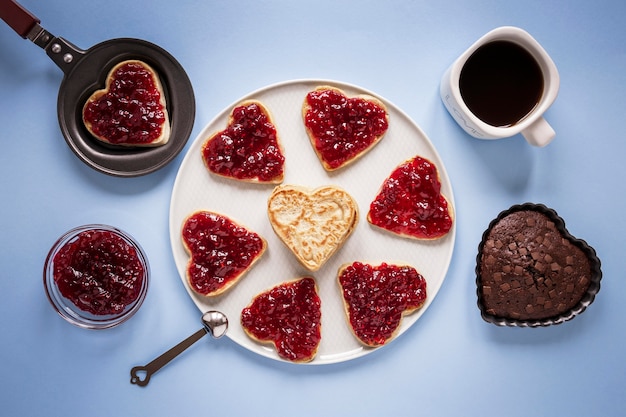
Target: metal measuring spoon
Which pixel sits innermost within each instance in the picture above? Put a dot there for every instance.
(214, 323)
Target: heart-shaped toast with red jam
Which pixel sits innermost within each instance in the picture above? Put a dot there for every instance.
(342, 128)
(131, 110)
(410, 203)
(221, 252)
(248, 149)
(377, 297)
(531, 271)
(289, 316)
(312, 223)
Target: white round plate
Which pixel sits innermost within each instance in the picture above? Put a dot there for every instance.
(196, 188)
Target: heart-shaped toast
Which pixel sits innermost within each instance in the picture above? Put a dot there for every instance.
(221, 251)
(289, 316)
(342, 128)
(131, 110)
(248, 149)
(313, 224)
(410, 203)
(531, 271)
(377, 297)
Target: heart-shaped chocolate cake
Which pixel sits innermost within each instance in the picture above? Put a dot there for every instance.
(248, 149)
(221, 251)
(342, 128)
(531, 271)
(289, 316)
(131, 110)
(312, 223)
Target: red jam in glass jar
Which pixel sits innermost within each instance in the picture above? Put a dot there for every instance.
(100, 271)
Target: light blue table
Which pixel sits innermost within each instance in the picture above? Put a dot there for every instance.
(450, 362)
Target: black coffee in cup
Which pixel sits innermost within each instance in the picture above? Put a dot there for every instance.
(501, 83)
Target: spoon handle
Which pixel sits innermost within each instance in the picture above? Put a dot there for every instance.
(140, 375)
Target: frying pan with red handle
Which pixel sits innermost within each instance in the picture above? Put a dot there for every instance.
(85, 71)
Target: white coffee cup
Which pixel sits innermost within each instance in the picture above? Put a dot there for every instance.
(533, 126)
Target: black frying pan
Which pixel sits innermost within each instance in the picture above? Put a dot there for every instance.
(86, 71)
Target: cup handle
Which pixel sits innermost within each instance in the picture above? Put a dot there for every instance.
(540, 133)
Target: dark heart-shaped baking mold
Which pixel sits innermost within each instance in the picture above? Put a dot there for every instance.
(586, 300)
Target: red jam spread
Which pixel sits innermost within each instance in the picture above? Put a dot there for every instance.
(289, 315)
(410, 202)
(342, 127)
(131, 111)
(376, 297)
(221, 251)
(247, 149)
(99, 271)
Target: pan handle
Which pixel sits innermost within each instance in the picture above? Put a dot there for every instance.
(62, 52)
(24, 23)
(16, 16)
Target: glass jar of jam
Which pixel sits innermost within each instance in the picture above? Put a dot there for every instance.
(96, 276)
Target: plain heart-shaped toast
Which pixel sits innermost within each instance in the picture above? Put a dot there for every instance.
(131, 110)
(342, 128)
(531, 271)
(410, 203)
(248, 149)
(289, 316)
(377, 297)
(313, 224)
(221, 251)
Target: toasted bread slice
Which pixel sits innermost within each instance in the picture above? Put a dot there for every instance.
(410, 204)
(136, 119)
(220, 250)
(289, 316)
(312, 223)
(248, 149)
(376, 298)
(342, 129)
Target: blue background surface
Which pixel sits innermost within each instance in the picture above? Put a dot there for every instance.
(450, 362)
